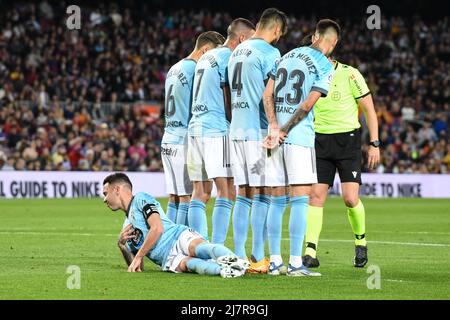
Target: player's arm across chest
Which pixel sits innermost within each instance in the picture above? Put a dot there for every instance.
(155, 229)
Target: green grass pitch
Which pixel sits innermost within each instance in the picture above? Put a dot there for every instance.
(409, 240)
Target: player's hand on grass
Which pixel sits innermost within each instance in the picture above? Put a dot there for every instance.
(135, 266)
(126, 234)
(373, 157)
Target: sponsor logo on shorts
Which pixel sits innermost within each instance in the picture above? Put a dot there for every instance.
(169, 152)
(354, 174)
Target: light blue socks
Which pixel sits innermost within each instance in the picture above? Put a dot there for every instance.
(182, 213)
(203, 267)
(221, 220)
(275, 223)
(171, 211)
(197, 217)
(240, 225)
(260, 207)
(208, 250)
(297, 224)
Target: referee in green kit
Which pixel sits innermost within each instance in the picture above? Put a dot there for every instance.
(338, 146)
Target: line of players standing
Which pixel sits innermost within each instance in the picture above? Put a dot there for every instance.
(220, 130)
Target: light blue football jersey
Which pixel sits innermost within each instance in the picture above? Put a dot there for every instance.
(299, 72)
(178, 99)
(249, 68)
(141, 205)
(208, 107)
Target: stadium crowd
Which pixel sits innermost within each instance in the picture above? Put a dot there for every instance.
(54, 83)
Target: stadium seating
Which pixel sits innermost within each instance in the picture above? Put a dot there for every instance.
(67, 98)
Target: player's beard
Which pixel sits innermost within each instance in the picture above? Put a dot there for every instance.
(328, 55)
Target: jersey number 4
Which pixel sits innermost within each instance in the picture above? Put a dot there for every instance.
(296, 77)
(236, 83)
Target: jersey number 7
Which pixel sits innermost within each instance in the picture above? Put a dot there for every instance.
(200, 76)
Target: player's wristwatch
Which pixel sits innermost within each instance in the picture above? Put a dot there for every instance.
(375, 143)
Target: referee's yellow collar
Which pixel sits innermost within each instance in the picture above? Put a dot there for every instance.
(335, 67)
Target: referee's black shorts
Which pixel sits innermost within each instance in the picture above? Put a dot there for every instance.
(341, 151)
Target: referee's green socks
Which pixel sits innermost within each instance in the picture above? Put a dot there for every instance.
(357, 218)
(313, 228)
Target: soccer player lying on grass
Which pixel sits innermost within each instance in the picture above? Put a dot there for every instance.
(171, 246)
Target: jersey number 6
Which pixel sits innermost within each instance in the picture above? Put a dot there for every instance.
(170, 103)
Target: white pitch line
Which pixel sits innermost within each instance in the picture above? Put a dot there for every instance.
(403, 232)
(372, 231)
(284, 239)
(59, 234)
(388, 242)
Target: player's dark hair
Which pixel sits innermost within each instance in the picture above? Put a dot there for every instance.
(271, 15)
(209, 37)
(118, 178)
(236, 24)
(323, 25)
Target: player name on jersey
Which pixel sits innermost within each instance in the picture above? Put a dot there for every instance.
(242, 52)
(210, 58)
(180, 75)
(302, 56)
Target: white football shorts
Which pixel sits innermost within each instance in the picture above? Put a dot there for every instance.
(180, 249)
(174, 159)
(291, 164)
(209, 158)
(249, 160)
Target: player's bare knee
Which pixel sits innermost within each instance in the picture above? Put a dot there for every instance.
(206, 197)
(318, 195)
(278, 191)
(201, 196)
(232, 193)
(185, 199)
(222, 193)
(351, 201)
(193, 245)
(317, 199)
(182, 267)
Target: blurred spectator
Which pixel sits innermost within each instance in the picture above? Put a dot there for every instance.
(67, 98)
